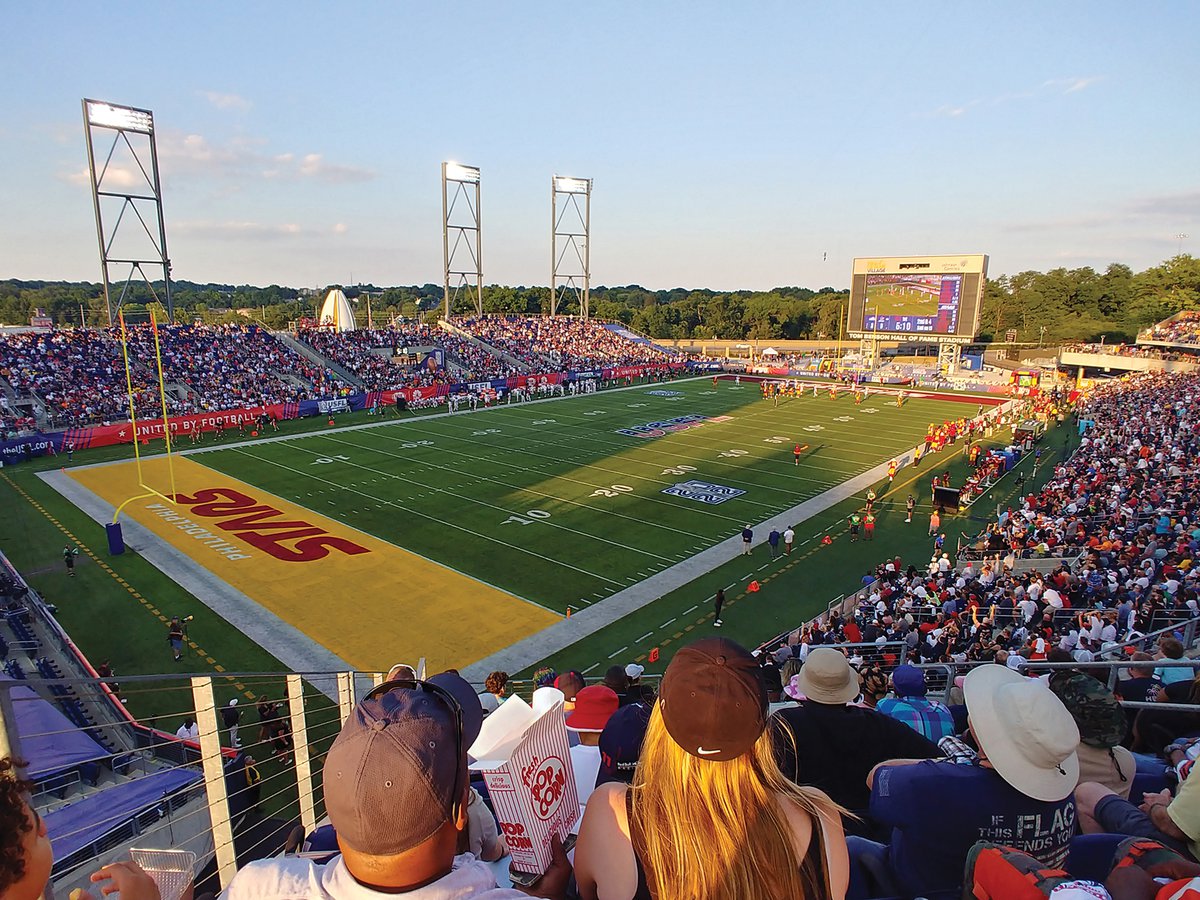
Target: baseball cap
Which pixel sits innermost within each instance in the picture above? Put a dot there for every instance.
(594, 706)
(397, 769)
(712, 699)
(909, 681)
(621, 743)
(1095, 709)
(468, 701)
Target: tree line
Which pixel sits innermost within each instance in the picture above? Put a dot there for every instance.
(1058, 305)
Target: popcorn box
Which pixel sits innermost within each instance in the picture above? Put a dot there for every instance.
(526, 763)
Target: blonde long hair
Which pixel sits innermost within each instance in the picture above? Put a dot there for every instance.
(714, 830)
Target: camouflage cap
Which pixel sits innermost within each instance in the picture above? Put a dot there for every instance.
(1094, 707)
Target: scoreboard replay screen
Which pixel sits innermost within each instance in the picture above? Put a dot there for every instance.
(933, 296)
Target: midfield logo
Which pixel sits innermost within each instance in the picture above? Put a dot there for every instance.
(665, 393)
(702, 492)
(658, 429)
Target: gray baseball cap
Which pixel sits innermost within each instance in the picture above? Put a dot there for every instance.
(397, 769)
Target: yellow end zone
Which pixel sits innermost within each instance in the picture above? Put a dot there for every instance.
(370, 602)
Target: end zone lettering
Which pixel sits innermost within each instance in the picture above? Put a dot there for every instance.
(260, 526)
(658, 429)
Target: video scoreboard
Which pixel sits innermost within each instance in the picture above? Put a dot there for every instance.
(935, 298)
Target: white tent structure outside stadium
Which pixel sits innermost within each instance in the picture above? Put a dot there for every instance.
(336, 311)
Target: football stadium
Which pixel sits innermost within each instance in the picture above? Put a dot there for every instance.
(468, 588)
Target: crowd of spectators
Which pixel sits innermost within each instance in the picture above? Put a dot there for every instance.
(1183, 329)
(561, 342)
(811, 771)
(359, 353)
(79, 374)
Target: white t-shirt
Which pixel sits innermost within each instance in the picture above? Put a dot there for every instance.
(586, 762)
(789, 536)
(288, 878)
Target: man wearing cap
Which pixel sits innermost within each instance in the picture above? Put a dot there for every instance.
(825, 743)
(231, 715)
(397, 793)
(621, 743)
(594, 706)
(636, 692)
(1017, 792)
(909, 705)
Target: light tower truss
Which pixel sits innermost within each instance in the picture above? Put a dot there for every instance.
(462, 236)
(570, 242)
(127, 198)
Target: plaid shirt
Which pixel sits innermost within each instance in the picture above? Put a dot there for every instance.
(927, 717)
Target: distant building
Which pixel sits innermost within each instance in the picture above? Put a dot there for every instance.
(336, 311)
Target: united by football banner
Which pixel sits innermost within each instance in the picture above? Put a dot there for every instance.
(53, 443)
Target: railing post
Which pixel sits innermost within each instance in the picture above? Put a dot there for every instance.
(10, 741)
(214, 778)
(1189, 632)
(300, 751)
(346, 692)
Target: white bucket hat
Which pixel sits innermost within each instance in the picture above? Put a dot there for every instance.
(827, 677)
(1024, 730)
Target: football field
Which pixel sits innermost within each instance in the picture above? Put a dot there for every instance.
(902, 299)
(409, 528)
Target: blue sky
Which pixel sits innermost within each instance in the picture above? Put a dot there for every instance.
(732, 145)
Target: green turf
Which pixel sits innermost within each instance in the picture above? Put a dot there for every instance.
(801, 586)
(546, 500)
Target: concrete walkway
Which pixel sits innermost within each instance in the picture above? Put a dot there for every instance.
(561, 635)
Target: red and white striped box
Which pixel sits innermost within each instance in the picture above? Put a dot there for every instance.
(526, 762)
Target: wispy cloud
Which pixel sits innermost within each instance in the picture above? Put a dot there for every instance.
(240, 231)
(1051, 87)
(194, 155)
(1157, 210)
(1071, 85)
(226, 101)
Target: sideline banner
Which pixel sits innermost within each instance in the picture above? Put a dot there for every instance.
(53, 443)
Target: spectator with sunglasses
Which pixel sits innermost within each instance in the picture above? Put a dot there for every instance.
(398, 794)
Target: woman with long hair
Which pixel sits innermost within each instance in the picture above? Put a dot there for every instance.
(709, 815)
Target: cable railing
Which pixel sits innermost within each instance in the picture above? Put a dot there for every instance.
(209, 795)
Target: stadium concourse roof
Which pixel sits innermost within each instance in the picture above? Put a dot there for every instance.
(336, 311)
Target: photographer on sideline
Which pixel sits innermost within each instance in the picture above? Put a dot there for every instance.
(175, 637)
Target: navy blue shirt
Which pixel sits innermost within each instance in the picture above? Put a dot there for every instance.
(937, 810)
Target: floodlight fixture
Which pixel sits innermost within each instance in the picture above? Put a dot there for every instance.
(124, 118)
(570, 242)
(466, 174)
(462, 257)
(567, 185)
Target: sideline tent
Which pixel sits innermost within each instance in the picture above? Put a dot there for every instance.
(336, 311)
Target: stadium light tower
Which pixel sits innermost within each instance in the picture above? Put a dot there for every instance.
(570, 267)
(464, 260)
(127, 198)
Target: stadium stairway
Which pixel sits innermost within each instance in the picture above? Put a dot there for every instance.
(318, 359)
(517, 364)
(629, 334)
